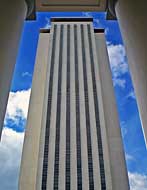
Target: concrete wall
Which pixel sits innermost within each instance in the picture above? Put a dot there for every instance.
(69, 5)
(132, 18)
(12, 15)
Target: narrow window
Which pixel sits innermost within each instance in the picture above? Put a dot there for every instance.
(58, 114)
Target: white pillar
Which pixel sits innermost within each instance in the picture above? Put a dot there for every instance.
(132, 17)
(12, 15)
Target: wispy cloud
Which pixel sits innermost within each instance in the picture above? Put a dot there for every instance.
(123, 129)
(96, 21)
(137, 181)
(106, 31)
(48, 24)
(17, 107)
(129, 157)
(26, 74)
(10, 156)
(131, 95)
(12, 141)
(118, 64)
(87, 14)
(119, 82)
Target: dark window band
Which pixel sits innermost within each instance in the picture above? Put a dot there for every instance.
(78, 133)
(99, 138)
(47, 130)
(58, 113)
(68, 112)
(88, 131)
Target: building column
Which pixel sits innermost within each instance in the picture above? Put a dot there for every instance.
(12, 15)
(132, 18)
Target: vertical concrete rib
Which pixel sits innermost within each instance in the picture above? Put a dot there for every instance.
(51, 153)
(95, 157)
(84, 153)
(58, 112)
(99, 138)
(86, 96)
(47, 130)
(77, 103)
(63, 115)
(106, 153)
(44, 114)
(73, 112)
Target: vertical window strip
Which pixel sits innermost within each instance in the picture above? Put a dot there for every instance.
(58, 114)
(47, 130)
(78, 132)
(99, 138)
(68, 112)
(88, 131)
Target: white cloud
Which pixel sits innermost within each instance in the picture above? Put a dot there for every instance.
(12, 141)
(106, 31)
(17, 105)
(131, 95)
(26, 74)
(48, 24)
(119, 82)
(137, 181)
(10, 156)
(87, 14)
(124, 130)
(129, 157)
(96, 21)
(118, 64)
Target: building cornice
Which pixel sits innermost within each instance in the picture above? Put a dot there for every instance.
(31, 11)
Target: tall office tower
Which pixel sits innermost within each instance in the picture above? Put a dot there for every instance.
(73, 139)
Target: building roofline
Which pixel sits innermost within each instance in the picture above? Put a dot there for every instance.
(71, 19)
(96, 30)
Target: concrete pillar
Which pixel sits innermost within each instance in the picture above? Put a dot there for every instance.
(132, 18)
(12, 15)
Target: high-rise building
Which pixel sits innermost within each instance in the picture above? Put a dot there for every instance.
(73, 139)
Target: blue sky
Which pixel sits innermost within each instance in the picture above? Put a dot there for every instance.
(13, 133)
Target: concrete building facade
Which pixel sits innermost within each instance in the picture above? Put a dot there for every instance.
(73, 139)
